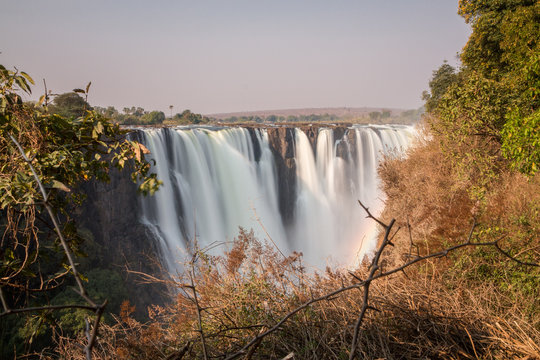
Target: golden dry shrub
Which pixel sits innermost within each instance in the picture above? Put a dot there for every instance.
(417, 314)
(422, 190)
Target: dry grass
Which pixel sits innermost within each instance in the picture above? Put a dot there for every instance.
(421, 190)
(421, 315)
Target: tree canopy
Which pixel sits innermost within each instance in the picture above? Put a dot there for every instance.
(490, 107)
(70, 105)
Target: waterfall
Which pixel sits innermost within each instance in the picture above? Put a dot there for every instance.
(217, 179)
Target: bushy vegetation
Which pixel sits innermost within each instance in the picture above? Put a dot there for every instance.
(246, 292)
(132, 116)
(139, 116)
(189, 118)
(46, 153)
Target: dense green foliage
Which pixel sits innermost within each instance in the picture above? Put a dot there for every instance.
(187, 118)
(153, 117)
(493, 100)
(521, 141)
(69, 105)
(66, 144)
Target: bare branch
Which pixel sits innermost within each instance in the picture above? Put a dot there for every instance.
(4, 303)
(180, 354)
(513, 258)
(92, 339)
(367, 283)
(199, 310)
(258, 219)
(43, 308)
(370, 216)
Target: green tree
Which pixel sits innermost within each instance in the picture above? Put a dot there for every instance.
(271, 118)
(70, 105)
(188, 117)
(109, 111)
(521, 142)
(504, 33)
(490, 104)
(440, 81)
(153, 118)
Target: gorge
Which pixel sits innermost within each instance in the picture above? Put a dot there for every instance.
(294, 186)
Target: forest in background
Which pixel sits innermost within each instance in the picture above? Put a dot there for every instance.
(74, 105)
(470, 184)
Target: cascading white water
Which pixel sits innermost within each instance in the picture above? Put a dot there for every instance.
(330, 225)
(215, 180)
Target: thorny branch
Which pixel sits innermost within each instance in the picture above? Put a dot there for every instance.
(199, 309)
(375, 273)
(367, 282)
(98, 309)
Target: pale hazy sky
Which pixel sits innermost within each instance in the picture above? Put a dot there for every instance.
(233, 55)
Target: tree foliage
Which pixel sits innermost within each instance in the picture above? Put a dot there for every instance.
(188, 117)
(64, 151)
(488, 108)
(522, 142)
(153, 118)
(441, 80)
(69, 105)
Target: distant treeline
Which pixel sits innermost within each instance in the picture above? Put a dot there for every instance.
(139, 116)
(406, 116)
(74, 105)
(281, 119)
(384, 116)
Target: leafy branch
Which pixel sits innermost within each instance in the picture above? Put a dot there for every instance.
(98, 309)
(44, 158)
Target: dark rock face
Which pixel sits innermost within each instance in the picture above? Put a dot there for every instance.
(111, 214)
(256, 145)
(311, 132)
(281, 142)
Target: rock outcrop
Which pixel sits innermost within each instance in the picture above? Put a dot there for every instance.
(111, 214)
(281, 142)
